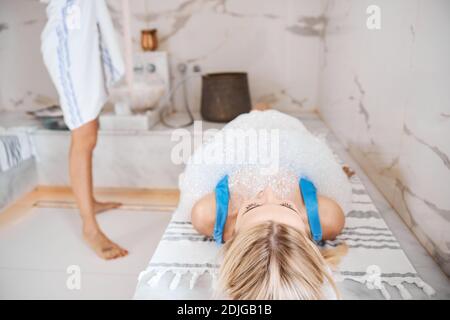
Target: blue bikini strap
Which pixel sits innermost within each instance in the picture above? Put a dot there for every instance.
(222, 197)
(312, 210)
(309, 194)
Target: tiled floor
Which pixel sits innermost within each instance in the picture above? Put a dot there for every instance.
(37, 250)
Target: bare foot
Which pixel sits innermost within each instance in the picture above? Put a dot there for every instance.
(100, 207)
(102, 246)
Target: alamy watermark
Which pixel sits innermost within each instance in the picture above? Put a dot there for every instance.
(73, 281)
(373, 277)
(374, 19)
(231, 146)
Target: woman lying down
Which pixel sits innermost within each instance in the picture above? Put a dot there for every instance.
(270, 223)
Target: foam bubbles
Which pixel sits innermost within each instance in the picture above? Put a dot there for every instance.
(299, 153)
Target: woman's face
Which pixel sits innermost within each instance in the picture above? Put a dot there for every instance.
(266, 206)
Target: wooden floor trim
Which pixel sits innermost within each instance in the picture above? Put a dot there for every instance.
(62, 197)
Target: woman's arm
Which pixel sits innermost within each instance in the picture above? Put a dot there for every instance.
(331, 216)
(203, 214)
(203, 217)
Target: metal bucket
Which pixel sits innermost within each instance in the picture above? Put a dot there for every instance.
(224, 96)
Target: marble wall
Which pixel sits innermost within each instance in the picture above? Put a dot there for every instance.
(24, 81)
(385, 93)
(275, 41)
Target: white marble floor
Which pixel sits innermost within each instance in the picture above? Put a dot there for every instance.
(37, 250)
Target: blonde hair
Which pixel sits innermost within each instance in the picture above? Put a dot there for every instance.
(273, 261)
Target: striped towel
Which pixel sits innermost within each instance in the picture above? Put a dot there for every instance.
(15, 147)
(374, 259)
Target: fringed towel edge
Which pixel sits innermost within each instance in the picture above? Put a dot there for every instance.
(379, 283)
(152, 276)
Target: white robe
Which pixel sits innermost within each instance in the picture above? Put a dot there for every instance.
(82, 56)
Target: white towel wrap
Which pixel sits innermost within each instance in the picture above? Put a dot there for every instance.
(82, 57)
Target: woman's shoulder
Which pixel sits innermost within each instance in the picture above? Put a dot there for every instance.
(332, 218)
(203, 214)
(203, 217)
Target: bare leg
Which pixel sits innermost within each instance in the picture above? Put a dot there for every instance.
(83, 142)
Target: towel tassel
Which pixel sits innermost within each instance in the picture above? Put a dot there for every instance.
(142, 274)
(425, 287)
(375, 282)
(153, 282)
(404, 292)
(385, 293)
(194, 278)
(175, 281)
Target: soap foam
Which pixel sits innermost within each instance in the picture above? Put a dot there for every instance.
(299, 152)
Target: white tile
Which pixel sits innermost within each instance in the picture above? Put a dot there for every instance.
(40, 247)
(35, 284)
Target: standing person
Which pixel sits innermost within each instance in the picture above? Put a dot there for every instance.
(84, 60)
